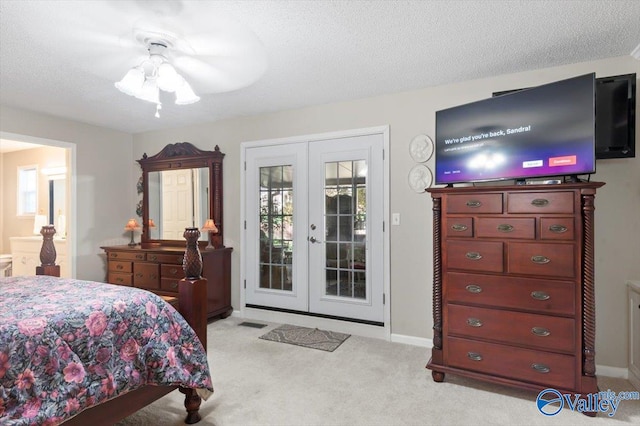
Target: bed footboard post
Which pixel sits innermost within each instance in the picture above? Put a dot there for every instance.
(192, 289)
(48, 253)
(192, 405)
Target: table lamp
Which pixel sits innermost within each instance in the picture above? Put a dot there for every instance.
(210, 227)
(132, 225)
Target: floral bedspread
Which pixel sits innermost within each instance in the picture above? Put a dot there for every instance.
(66, 345)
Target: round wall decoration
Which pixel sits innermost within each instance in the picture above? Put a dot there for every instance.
(421, 148)
(420, 178)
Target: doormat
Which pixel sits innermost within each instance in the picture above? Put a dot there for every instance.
(252, 324)
(307, 337)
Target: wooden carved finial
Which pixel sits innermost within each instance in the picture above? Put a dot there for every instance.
(192, 262)
(48, 250)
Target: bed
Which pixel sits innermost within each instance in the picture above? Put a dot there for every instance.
(98, 356)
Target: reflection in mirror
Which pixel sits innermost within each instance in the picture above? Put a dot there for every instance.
(57, 202)
(178, 199)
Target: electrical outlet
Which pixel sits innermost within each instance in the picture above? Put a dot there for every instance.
(395, 219)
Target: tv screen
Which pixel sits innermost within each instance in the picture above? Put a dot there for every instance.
(616, 116)
(544, 131)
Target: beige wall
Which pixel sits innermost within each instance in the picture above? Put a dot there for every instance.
(11, 224)
(102, 175)
(412, 113)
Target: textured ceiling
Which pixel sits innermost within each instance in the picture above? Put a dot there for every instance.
(62, 57)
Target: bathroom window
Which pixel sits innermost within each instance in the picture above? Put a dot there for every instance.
(27, 190)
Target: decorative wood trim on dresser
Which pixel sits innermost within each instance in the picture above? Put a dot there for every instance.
(513, 285)
(159, 269)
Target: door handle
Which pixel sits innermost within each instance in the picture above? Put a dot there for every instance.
(313, 240)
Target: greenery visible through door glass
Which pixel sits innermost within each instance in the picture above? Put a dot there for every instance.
(276, 227)
(345, 193)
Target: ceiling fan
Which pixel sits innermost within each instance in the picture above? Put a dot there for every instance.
(190, 48)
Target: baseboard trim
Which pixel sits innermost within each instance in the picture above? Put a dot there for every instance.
(412, 340)
(356, 329)
(617, 372)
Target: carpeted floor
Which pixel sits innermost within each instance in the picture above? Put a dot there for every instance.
(365, 382)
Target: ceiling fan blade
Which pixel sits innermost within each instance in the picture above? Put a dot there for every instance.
(220, 74)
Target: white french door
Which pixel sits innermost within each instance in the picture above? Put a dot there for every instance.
(314, 227)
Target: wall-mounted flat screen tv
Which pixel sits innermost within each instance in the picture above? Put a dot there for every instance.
(543, 131)
(616, 116)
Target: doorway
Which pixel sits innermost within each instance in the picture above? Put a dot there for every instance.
(314, 212)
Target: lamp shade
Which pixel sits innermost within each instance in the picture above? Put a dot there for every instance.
(132, 82)
(185, 95)
(132, 225)
(210, 226)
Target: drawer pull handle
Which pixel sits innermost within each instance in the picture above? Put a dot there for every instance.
(474, 322)
(540, 331)
(558, 229)
(139, 275)
(540, 368)
(118, 266)
(120, 280)
(458, 227)
(540, 202)
(473, 255)
(474, 356)
(174, 285)
(472, 288)
(505, 227)
(154, 257)
(540, 260)
(140, 256)
(174, 271)
(540, 295)
(474, 203)
(154, 276)
(114, 254)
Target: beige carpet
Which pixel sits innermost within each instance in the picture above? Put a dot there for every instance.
(365, 382)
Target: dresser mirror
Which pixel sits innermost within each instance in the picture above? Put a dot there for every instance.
(182, 188)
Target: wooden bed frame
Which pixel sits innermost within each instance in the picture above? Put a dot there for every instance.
(192, 302)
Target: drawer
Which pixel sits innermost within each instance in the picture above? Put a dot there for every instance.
(506, 227)
(547, 369)
(474, 255)
(171, 271)
(537, 331)
(120, 266)
(120, 279)
(546, 259)
(126, 255)
(165, 258)
(540, 202)
(474, 203)
(146, 275)
(544, 296)
(169, 284)
(458, 227)
(557, 228)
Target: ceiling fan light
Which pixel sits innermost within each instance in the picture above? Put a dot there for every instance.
(185, 95)
(150, 92)
(168, 78)
(131, 83)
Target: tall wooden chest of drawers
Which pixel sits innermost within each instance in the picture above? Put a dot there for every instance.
(158, 269)
(513, 288)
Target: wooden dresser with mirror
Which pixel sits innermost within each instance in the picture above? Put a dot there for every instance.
(182, 188)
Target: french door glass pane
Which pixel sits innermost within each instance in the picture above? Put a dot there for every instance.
(345, 216)
(276, 227)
